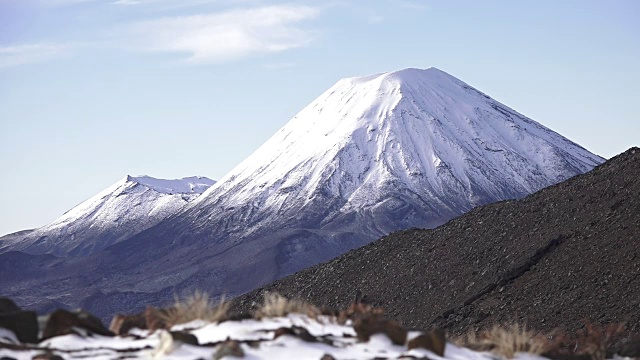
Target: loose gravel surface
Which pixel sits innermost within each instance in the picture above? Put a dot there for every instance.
(566, 254)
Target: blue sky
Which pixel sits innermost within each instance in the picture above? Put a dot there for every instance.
(91, 91)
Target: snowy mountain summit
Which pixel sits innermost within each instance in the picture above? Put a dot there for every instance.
(411, 148)
(115, 214)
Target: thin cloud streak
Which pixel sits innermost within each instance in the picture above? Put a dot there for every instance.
(225, 36)
(32, 53)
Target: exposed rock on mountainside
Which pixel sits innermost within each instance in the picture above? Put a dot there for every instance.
(568, 253)
(13, 237)
(122, 210)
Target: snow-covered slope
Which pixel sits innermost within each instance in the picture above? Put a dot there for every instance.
(380, 143)
(115, 214)
(411, 148)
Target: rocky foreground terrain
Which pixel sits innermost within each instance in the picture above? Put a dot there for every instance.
(567, 254)
(278, 329)
(196, 330)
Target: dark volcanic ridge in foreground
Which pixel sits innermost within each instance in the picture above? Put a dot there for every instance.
(565, 254)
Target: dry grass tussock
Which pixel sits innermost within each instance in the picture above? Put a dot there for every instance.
(196, 307)
(506, 341)
(276, 305)
(593, 339)
(596, 340)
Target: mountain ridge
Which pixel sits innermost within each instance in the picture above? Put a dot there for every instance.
(362, 160)
(123, 209)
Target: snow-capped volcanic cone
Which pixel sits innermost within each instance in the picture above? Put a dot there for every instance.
(385, 152)
(412, 148)
(115, 214)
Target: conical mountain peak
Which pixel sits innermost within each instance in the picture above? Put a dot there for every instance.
(407, 77)
(371, 155)
(420, 130)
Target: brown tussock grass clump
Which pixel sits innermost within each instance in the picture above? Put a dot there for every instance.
(506, 341)
(593, 340)
(596, 340)
(195, 307)
(276, 305)
(359, 310)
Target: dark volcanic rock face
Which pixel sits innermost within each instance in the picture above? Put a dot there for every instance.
(568, 253)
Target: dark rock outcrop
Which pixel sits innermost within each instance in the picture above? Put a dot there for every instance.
(434, 341)
(8, 306)
(121, 324)
(184, 337)
(63, 322)
(24, 324)
(370, 325)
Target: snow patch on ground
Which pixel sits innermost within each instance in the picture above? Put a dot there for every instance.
(256, 338)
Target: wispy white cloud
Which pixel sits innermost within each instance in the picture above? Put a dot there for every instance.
(225, 36)
(32, 53)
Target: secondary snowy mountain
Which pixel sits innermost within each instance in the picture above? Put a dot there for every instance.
(411, 148)
(115, 214)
